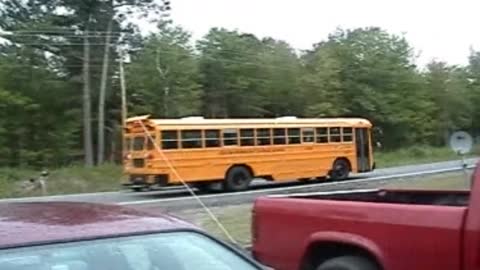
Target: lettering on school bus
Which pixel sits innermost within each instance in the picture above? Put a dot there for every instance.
(246, 151)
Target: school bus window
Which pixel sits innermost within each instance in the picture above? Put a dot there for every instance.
(308, 134)
(335, 134)
(230, 137)
(293, 135)
(279, 136)
(263, 136)
(212, 138)
(150, 143)
(138, 143)
(191, 139)
(169, 139)
(322, 135)
(347, 134)
(247, 137)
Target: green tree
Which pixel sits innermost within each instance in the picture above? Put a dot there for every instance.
(321, 83)
(473, 71)
(164, 75)
(38, 124)
(279, 69)
(229, 67)
(81, 38)
(448, 90)
(379, 81)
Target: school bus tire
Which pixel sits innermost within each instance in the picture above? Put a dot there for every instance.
(340, 169)
(237, 178)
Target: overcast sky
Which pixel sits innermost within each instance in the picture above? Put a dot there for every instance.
(444, 30)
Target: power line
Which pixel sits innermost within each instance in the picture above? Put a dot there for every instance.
(98, 33)
(202, 56)
(227, 51)
(65, 36)
(220, 60)
(221, 51)
(35, 66)
(232, 51)
(65, 44)
(58, 31)
(251, 78)
(172, 52)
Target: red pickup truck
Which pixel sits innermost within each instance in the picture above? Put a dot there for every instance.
(369, 230)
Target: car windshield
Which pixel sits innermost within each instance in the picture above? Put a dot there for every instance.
(164, 251)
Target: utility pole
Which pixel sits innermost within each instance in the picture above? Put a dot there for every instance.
(119, 129)
(87, 117)
(123, 91)
(163, 72)
(103, 89)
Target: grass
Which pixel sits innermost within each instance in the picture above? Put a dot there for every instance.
(236, 219)
(67, 180)
(415, 155)
(78, 179)
(447, 181)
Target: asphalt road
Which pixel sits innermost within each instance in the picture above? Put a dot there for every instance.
(179, 198)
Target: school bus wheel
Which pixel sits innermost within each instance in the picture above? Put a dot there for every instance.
(340, 169)
(237, 178)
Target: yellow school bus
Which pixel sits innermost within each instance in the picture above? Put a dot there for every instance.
(229, 153)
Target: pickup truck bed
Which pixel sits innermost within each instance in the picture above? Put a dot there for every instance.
(392, 229)
(421, 197)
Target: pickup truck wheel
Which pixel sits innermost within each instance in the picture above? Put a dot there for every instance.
(348, 263)
(238, 178)
(340, 170)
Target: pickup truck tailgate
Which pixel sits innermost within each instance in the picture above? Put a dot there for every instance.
(284, 229)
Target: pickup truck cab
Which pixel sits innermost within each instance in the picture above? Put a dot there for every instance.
(369, 230)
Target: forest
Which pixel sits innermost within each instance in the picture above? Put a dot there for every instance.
(60, 80)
